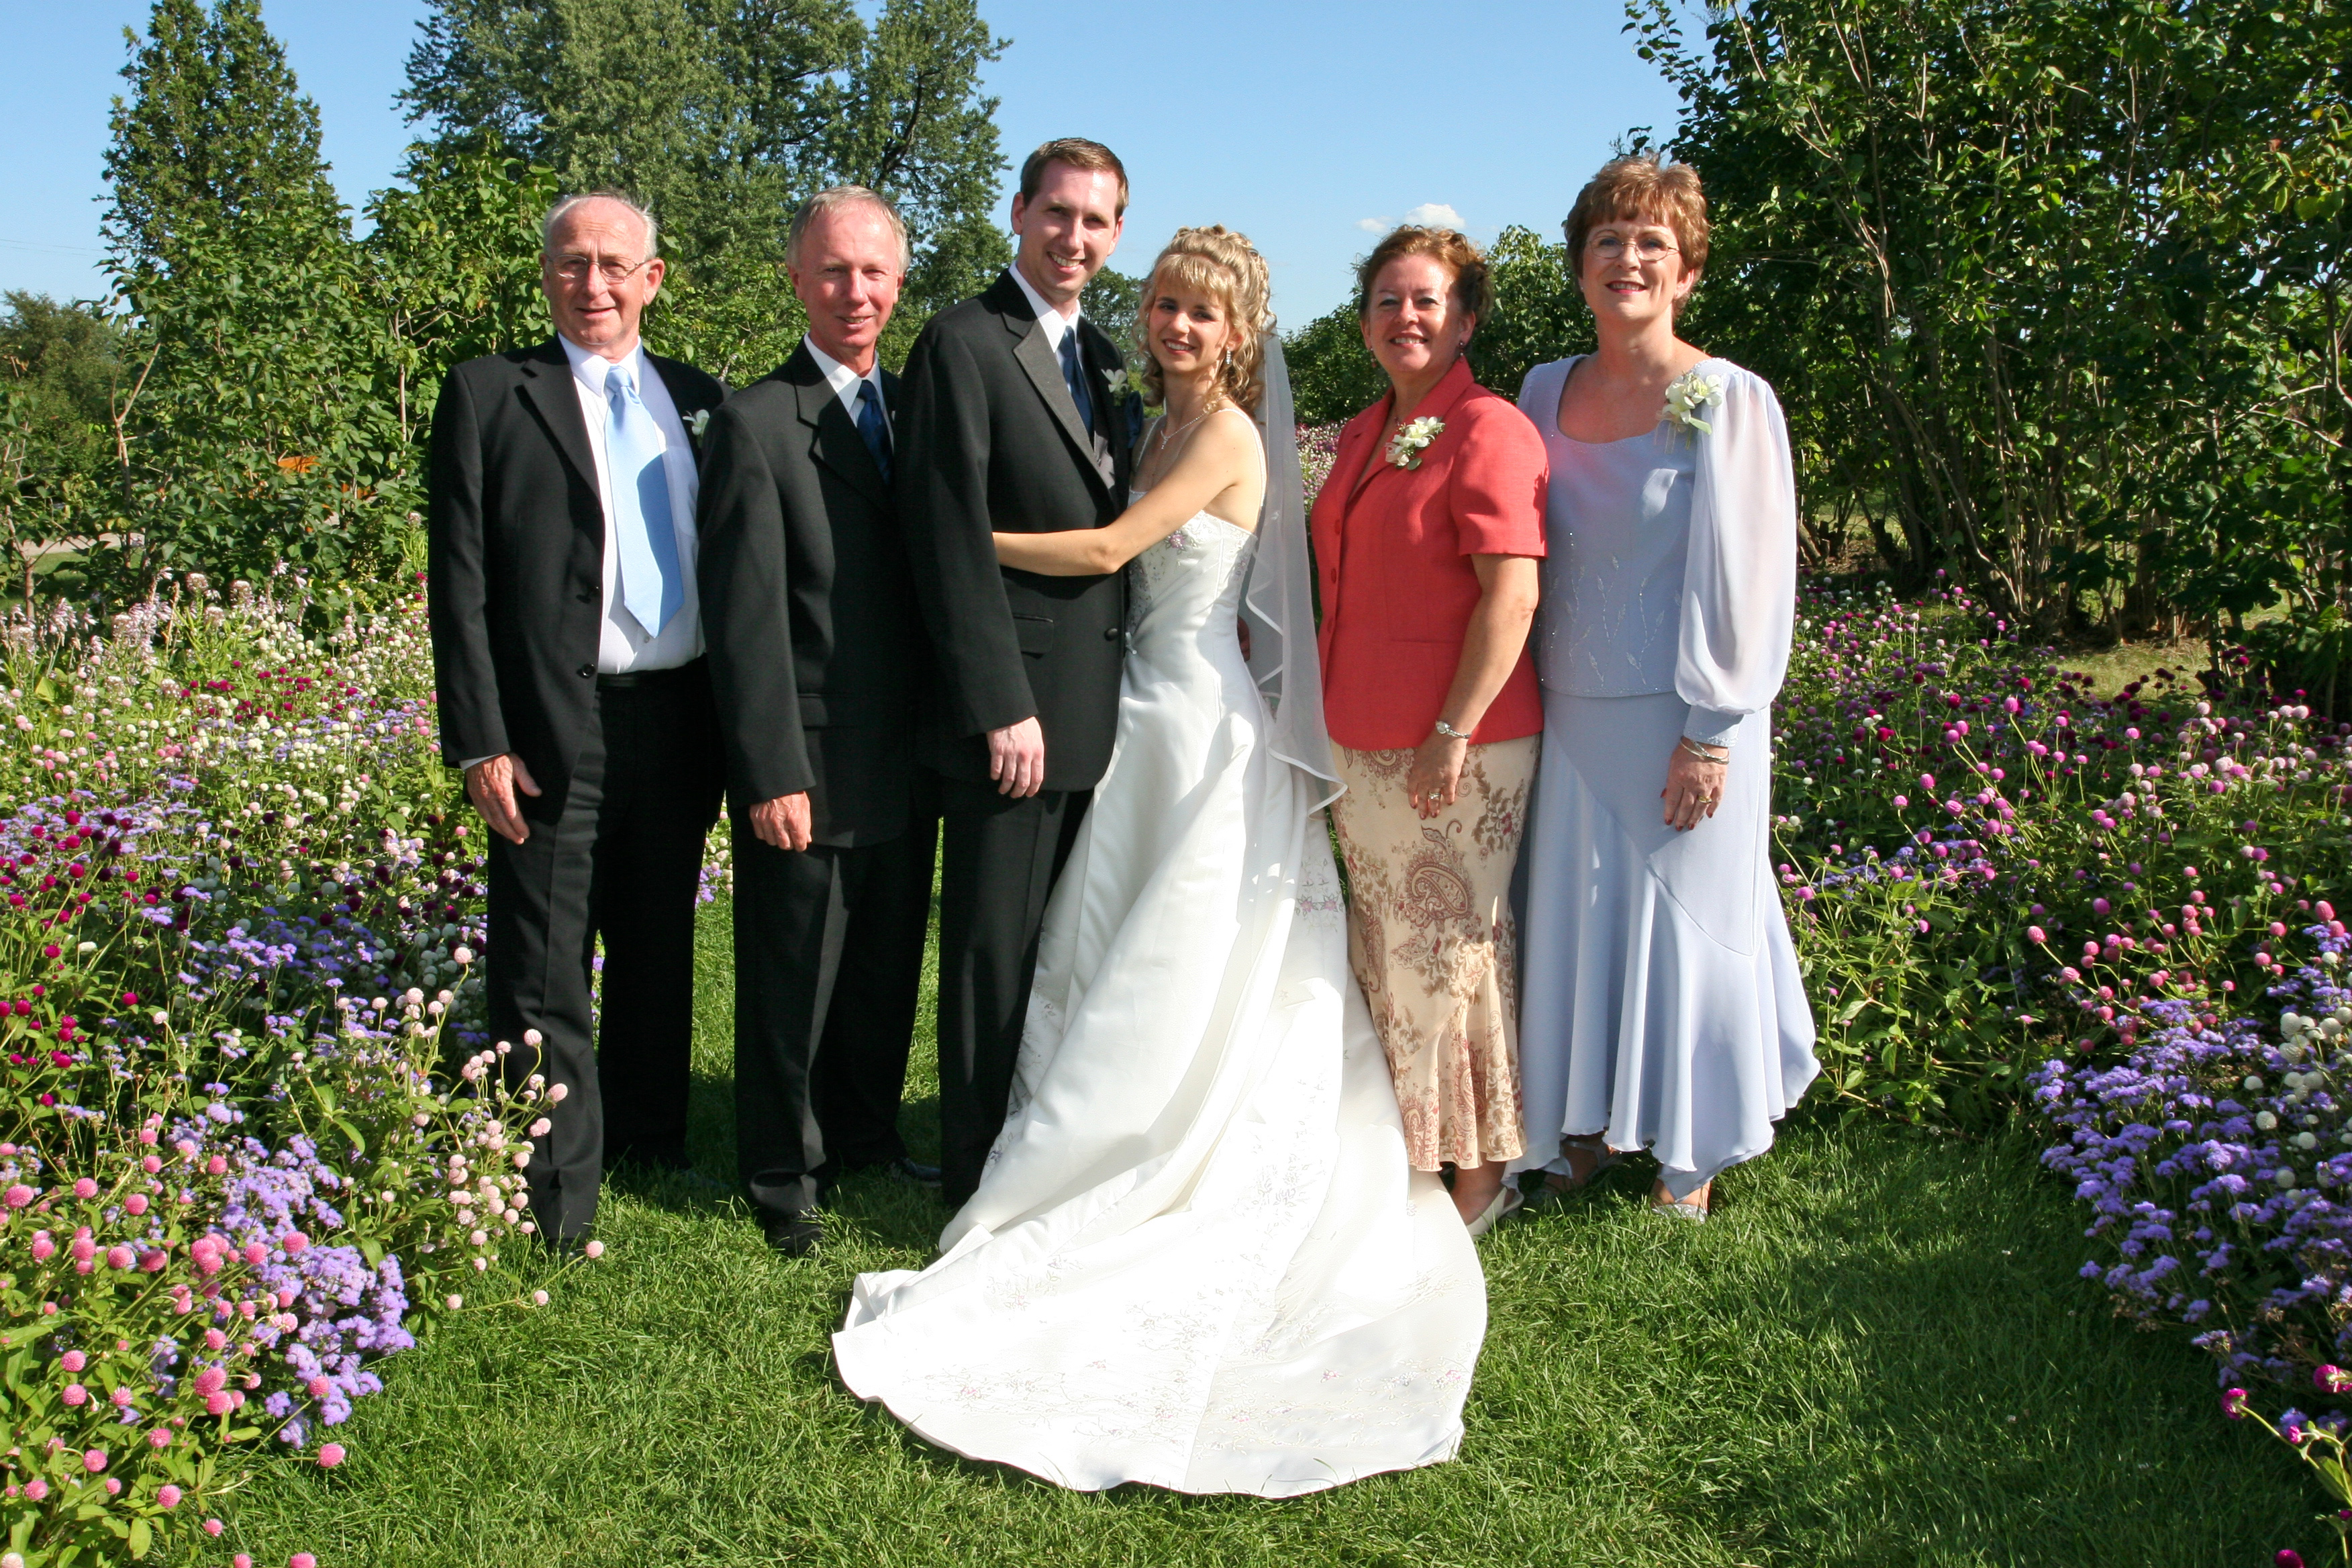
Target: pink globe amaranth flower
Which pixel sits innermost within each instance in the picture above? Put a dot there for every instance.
(2332, 1379)
(213, 1527)
(113, 1487)
(211, 1380)
(20, 1194)
(161, 1438)
(73, 1361)
(255, 1254)
(301, 1560)
(168, 1497)
(75, 1393)
(593, 1249)
(319, 1388)
(93, 1460)
(2036, 934)
(330, 1456)
(85, 1189)
(293, 1242)
(218, 1404)
(119, 1257)
(2287, 1558)
(2234, 1404)
(43, 1248)
(37, 1489)
(242, 1559)
(135, 1204)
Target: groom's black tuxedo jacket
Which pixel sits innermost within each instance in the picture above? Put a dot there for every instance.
(991, 441)
(517, 555)
(808, 608)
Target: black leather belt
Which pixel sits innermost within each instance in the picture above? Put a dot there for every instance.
(652, 679)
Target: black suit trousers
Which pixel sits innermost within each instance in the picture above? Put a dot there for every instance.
(828, 963)
(998, 858)
(621, 858)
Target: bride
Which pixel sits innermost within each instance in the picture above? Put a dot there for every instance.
(1198, 1256)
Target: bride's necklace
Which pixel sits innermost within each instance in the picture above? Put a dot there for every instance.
(1167, 442)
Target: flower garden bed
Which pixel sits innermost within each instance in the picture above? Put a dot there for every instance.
(251, 1134)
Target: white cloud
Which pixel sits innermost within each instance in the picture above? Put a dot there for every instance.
(1435, 214)
(1376, 224)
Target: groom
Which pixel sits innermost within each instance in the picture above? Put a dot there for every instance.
(1008, 423)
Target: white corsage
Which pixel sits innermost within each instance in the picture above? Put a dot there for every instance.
(699, 423)
(1690, 393)
(1120, 381)
(1406, 447)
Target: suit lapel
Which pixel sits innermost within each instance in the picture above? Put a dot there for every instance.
(548, 387)
(683, 399)
(1036, 357)
(834, 439)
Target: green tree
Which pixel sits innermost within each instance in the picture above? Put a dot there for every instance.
(250, 433)
(214, 128)
(2046, 286)
(721, 115)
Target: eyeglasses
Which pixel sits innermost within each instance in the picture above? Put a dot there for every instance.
(575, 268)
(1612, 246)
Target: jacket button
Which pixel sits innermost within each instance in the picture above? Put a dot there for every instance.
(586, 670)
(1111, 634)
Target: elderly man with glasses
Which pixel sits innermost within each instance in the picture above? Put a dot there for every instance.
(568, 653)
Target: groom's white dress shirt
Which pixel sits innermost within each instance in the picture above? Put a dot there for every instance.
(1050, 316)
(622, 645)
(844, 381)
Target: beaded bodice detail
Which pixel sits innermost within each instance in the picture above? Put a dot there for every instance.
(1190, 581)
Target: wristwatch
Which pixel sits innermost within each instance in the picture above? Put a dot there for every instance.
(1450, 732)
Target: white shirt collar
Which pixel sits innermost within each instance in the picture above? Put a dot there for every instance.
(839, 376)
(592, 368)
(1054, 321)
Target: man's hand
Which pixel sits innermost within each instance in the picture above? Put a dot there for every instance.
(491, 785)
(784, 822)
(1016, 758)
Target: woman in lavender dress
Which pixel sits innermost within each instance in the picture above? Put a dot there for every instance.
(1662, 1008)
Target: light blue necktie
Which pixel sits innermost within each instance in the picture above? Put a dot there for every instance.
(652, 587)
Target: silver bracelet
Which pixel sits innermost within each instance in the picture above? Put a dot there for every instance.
(1702, 750)
(1450, 732)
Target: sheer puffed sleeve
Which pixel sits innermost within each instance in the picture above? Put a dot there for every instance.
(1740, 584)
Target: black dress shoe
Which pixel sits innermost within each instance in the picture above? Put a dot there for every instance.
(906, 1168)
(793, 1235)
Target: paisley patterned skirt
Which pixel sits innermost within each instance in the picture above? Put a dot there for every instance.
(1430, 939)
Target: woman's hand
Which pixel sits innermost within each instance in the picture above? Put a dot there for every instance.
(1435, 781)
(1693, 788)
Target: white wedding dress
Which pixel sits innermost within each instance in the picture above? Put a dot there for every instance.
(1197, 1258)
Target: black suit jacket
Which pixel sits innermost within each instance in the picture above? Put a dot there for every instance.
(991, 441)
(808, 608)
(517, 537)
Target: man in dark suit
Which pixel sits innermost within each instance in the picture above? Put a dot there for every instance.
(816, 649)
(1009, 422)
(567, 651)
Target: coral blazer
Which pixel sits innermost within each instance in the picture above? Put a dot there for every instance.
(1392, 550)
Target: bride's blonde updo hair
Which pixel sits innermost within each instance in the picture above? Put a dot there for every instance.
(1224, 266)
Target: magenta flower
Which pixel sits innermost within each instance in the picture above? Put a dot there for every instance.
(330, 1456)
(168, 1497)
(93, 1460)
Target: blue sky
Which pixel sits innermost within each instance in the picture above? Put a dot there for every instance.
(1298, 124)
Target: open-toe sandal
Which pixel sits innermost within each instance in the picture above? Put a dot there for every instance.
(1507, 1204)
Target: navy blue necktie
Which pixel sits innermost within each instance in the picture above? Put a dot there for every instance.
(1074, 373)
(873, 426)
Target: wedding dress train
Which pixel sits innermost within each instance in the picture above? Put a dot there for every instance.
(1198, 1256)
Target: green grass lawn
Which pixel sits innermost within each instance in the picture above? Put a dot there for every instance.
(1879, 1352)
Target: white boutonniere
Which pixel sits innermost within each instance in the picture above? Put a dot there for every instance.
(1120, 381)
(1690, 393)
(1406, 447)
(699, 423)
